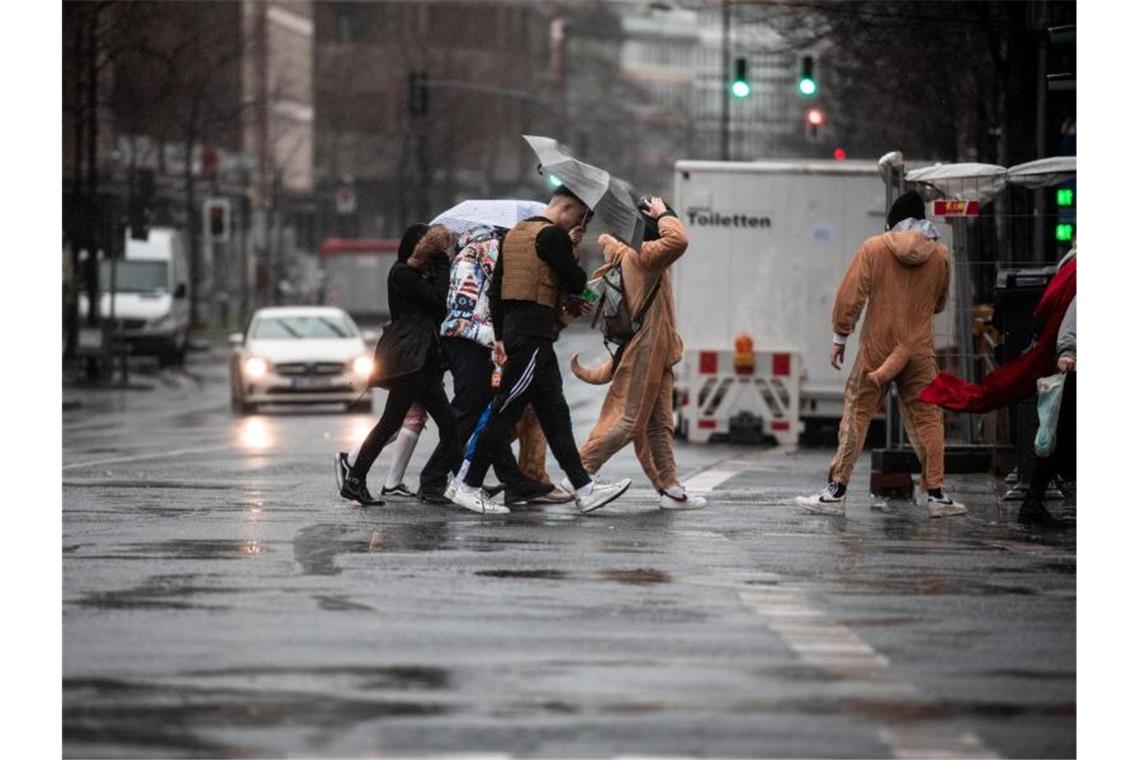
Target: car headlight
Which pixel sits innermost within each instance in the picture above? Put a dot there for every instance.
(256, 367)
(362, 366)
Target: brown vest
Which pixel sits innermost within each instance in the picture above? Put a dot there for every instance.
(526, 277)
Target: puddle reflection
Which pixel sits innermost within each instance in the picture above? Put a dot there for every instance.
(254, 434)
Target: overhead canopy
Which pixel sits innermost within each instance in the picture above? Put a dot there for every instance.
(1044, 172)
(981, 182)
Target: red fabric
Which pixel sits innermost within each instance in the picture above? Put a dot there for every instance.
(1014, 381)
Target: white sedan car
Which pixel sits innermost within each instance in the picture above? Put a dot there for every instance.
(300, 354)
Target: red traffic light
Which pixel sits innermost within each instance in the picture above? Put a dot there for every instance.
(839, 154)
(814, 117)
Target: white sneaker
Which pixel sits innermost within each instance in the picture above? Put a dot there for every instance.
(677, 498)
(449, 492)
(824, 503)
(602, 494)
(944, 506)
(477, 501)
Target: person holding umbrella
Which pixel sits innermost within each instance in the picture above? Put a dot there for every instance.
(536, 269)
(467, 339)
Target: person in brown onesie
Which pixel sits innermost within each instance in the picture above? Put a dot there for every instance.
(903, 278)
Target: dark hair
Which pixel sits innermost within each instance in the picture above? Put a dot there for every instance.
(909, 205)
(408, 242)
(652, 231)
(564, 192)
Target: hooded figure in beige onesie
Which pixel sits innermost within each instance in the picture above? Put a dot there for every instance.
(639, 403)
(903, 278)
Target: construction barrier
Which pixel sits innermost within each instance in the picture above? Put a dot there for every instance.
(735, 396)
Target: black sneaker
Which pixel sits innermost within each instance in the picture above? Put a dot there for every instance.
(1033, 512)
(354, 489)
(525, 490)
(495, 490)
(399, 490)
(433, 497)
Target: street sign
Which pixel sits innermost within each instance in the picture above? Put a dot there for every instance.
(345, 200)
(957, 208)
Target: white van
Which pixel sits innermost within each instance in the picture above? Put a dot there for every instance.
(152, 307)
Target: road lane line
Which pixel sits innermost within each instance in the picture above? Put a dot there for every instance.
(142, 457)
(708, 479)
(822, 642)
(918, 742)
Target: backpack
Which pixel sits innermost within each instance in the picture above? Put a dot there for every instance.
(618, 323)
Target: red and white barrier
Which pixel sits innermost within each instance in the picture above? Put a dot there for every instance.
(718, 385)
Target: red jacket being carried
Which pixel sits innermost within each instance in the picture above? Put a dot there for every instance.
(1016, 380)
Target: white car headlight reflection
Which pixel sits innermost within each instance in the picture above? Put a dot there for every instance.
(362, 366)
(256, 367)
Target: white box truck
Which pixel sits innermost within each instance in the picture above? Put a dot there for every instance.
(769, 242)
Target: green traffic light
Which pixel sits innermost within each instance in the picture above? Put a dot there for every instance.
(741, 89)
(1064, 232)
(808, 87)
(1064, 196)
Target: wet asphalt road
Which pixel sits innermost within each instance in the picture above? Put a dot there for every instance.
(220, 600)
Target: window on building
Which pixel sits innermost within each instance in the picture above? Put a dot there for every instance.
(346, 21)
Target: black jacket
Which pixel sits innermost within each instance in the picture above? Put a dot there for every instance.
(418, 304)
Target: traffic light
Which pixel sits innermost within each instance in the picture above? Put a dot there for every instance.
(1066, 214)
(807, 86)
(813, 120)
(417, 93)
(740, 86)
(218, 219)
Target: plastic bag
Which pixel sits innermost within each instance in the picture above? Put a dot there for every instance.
(1049, 392)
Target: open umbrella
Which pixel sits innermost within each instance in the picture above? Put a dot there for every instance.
(494, 213)
(611, 199)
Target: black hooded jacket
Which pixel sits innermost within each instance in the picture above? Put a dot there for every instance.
(418, 304)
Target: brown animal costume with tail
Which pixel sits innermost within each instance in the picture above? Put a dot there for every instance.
(903, 278)
(639, 403)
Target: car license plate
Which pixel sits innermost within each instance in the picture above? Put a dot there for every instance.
(309, 383)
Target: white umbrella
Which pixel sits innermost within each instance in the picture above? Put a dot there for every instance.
(493, 213)
(611, 199)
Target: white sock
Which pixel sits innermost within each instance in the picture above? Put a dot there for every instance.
(584, 491)
(352, 456)
(676, 491)
(462, 476)
(402, 449)
(466, 489)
